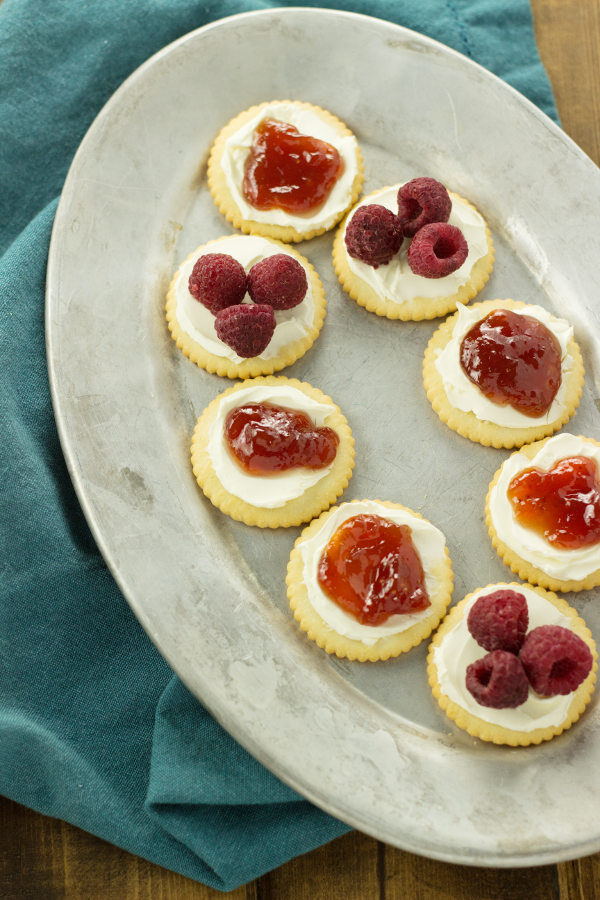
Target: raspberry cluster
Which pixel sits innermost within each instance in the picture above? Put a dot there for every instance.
(550, 658)
(375, 234)
(220, 283)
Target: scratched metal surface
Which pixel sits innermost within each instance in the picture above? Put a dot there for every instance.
(376, 751)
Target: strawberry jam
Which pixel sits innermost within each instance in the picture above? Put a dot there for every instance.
(289, 170)
(513, 359)
(370, 568)
(562, 504)
(265, 439)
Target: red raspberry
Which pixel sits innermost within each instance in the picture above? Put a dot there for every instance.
(556, 660)
(499, 621)
(498, 680)
(217, 281)
(421, 202)
(373, 235)
(278, 280)
(437, 250)
(246, 328)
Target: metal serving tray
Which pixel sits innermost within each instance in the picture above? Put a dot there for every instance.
(364, 741)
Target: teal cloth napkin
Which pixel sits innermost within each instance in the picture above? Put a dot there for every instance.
(94, 727)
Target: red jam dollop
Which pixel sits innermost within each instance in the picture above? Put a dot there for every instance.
(513, 359)
(562, 504)
(289, 170)
(265, 438)
(370, 568)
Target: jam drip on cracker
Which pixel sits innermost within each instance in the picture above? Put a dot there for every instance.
(370, 568)
(513, 359)
(289, 170)
(562, 504)
(265, 439)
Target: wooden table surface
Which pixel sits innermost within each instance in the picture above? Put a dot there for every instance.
(44, 859)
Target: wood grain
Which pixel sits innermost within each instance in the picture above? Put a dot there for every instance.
(45, 859)
(568, 39)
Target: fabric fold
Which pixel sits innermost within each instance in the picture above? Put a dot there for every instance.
(207, 800)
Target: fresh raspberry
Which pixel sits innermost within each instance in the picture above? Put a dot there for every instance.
(556, 660)
(421, 202)
(278, 280)
(246, 328)
(498, 680)
(499, 621)
(373, 235)
(437, 250)
(217, 281)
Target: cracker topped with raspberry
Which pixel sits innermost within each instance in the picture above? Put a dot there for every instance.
(244, 305)
(413, 251)
(513, 664)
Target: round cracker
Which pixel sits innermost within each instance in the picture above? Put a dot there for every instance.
(256, 365)
(217, 182)
(468, 424)
(497, 734)
(415, 308)
(296, 511)
(522, 567)
(333, 642)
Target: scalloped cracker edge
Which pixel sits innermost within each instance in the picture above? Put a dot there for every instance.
(253, 366)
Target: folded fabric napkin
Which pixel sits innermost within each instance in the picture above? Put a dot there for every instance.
(94, 727)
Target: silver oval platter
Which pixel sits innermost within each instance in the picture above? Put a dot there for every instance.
(366, 742)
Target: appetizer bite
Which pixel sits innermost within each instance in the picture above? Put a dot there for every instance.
(272, 452)
(285, 169)
(413, 251)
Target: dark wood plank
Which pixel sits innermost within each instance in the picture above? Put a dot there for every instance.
(580, 879)
(346, 869)
(410, 876)
(46, 859)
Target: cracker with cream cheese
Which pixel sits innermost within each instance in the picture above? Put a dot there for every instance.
(528, 564)
(452, 646)
(226, 166)
(486, 431)
(335, 630)
(279, 499)
(192, 325)
(394, 291)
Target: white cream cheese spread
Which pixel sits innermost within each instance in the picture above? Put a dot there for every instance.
(429, 543)
(396, 281)
(458, 650)
(199, 323)
(264, 491)
(567, 565)
(463, 394)
(307, 121)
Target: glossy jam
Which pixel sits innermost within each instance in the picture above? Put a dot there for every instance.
(370, 568)
(289, 170)
(562, 504)
(513, 359)
(265, 438)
